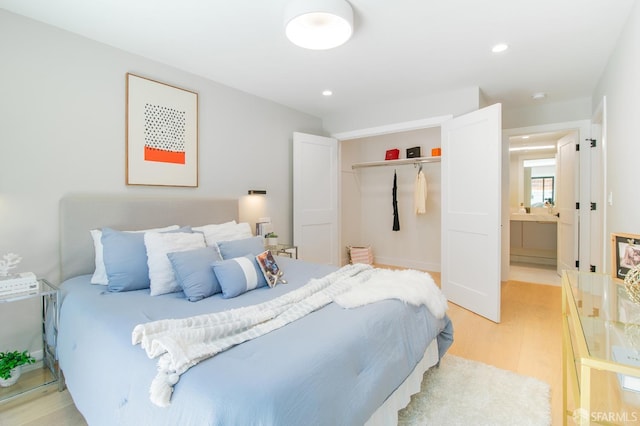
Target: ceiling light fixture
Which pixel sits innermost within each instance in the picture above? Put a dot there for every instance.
(327, 93)
(531, 148)
(538, 96)
(318, 24)
(500, 47)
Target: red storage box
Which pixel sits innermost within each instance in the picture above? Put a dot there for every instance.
(392, 154)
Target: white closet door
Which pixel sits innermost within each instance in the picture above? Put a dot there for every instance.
(471, 210)
(315, 198)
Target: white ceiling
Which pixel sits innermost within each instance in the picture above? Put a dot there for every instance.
(400, 48)
(536, 140)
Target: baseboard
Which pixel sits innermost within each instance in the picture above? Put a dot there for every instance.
(532, 259)
(407, 263)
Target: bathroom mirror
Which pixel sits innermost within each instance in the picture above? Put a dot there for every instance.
(539, 181)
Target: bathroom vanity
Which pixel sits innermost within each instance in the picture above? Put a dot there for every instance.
(534, 238)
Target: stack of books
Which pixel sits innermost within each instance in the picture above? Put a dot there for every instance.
(627, 356)
(18, 283)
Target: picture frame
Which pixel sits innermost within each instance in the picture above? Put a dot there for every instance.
(269, 267)
(161, 134)
(625, 254)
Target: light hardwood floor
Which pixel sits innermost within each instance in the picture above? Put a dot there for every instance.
(528, 341)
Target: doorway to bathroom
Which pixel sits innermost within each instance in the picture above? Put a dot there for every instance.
(545, 184)
(533, 216)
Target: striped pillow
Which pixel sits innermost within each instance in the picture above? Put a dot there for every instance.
(238, 275)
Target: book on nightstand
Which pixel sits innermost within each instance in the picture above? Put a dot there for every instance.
(18, 283)
(627, 356)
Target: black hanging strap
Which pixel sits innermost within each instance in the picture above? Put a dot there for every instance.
(396, 220)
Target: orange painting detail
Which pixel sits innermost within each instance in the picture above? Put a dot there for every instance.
(161, 156)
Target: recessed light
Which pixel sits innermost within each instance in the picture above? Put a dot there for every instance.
(500, 47)
(327, 93)
(538, 96)
(525, 137)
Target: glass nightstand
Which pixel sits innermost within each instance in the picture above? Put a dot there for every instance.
(288, 250)
(46, 371)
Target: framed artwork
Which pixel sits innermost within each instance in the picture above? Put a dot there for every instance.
(625, 254)
(269, 267)
(161, 135)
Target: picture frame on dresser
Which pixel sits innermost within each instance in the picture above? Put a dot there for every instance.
(161, 134)
(625, 254)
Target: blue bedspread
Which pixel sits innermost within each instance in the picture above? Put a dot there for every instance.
(332, 367)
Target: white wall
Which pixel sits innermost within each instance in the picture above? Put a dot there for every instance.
(546, 112)
(367, 201)
(455, 102)
(621, 86)
(62, 130)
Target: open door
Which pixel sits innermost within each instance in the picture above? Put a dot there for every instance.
(471, 210)
(567, 171)
(315, 198)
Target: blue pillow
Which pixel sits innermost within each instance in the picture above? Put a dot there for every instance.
(193, 272)
(238, 275)
(125, 259)
(237, 248)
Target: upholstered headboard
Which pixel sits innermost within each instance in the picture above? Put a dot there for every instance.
(81, 213)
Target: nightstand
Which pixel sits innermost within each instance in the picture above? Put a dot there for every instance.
(46, 371)
(288, 250)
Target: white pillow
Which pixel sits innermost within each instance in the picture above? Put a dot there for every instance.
(100, 273)
(158, 245)
(224, 232)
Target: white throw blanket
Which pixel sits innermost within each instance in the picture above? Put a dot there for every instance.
(182, 343)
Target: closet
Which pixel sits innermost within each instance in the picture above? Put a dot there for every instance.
(366, 199)
(460, 234)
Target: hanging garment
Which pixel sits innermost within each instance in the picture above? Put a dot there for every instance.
(420, 193)
(394, 192)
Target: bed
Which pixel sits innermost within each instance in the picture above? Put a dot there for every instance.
(334, 366)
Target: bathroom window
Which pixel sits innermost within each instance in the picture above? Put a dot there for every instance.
(542, 189)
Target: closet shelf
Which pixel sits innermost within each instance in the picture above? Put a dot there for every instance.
(417, 160)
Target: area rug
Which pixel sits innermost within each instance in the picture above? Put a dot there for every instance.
(464, 392)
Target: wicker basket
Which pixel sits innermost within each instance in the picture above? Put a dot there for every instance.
(360, 254)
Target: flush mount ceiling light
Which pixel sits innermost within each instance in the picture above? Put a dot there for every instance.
(538, 96)
(318, 24)
(327, 93)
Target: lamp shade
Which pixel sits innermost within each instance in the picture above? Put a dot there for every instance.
(318, 24)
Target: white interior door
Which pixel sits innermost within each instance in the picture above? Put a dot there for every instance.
(597, 189)
(471, 210)
(567, 168)
(315, 198)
